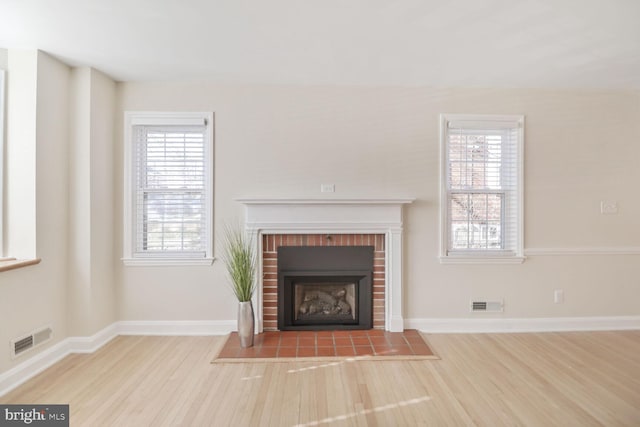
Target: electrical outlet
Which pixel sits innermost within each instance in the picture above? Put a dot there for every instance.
(327, 188)
(558, 296)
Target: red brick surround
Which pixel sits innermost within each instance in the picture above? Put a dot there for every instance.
(270, 245)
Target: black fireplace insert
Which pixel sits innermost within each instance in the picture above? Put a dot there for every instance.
(325, 287)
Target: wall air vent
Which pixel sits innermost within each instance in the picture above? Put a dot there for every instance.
(34, 339)
(487, 306)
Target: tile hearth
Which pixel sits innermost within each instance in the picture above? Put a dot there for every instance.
(307, 344)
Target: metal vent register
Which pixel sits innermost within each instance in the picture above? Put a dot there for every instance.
(485, 306)
(34, 339)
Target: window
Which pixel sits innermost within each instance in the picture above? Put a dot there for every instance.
(168, 188)
(481, 188)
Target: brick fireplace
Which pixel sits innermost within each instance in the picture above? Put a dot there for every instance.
(270, 245)
(275, 223)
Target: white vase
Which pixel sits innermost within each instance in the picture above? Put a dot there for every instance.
(245, 324)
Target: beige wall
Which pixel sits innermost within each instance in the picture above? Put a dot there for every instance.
(103, 92)
(60, 193)
(286, 141)
(91, 291)
(34, 297)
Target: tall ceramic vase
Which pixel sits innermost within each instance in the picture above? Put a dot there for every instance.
(245, 324)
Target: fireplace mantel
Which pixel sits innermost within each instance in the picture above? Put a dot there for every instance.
(334, 216)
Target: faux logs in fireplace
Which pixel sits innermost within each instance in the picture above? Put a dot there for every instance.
(328, 287)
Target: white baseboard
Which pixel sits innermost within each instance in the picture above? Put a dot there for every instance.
(498, 325)
(41, 361)
(178, 327)
(32, 367)
(94, 342)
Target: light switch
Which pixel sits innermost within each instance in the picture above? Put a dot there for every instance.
(608, 207)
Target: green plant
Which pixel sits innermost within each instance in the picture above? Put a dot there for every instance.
(239, 257)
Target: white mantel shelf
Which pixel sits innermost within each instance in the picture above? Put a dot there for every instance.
(334, 215)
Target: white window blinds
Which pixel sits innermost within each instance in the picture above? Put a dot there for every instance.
(482, 185)
(170, 188)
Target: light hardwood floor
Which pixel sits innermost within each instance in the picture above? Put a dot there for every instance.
(546, 379)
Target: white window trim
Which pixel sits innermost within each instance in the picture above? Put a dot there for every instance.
(132, 118)
(480, 257)
(2, 148)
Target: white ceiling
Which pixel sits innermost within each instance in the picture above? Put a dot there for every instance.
(490, 43)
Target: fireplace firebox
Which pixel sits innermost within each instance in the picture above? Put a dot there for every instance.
(326, 287)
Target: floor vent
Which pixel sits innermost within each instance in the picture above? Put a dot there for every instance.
(30, 341)
(485, 306)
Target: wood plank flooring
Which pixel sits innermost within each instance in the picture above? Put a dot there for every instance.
(546, 379)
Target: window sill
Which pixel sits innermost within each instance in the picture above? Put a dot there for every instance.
(166, 262)
(481, 260)
(7, 264)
